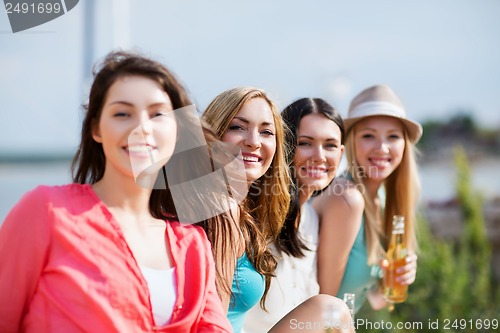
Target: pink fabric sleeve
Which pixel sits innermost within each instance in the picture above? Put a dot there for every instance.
(24, 240)
(213, 318)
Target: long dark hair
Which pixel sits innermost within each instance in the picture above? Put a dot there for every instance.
(288, 240)
(89, 161)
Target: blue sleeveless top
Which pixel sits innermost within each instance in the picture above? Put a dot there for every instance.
(358, 276)
(248, 288)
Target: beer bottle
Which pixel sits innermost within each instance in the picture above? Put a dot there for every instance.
(349, 300)
(395, 292)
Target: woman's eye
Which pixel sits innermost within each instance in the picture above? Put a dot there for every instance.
(394, 136)
(235, 127)
(303, 143)
(121, 114)
(367, 136)
(331, 146)
(267, 133)
(161, 111)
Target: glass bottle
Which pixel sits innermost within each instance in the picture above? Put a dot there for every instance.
(349, 300)
(394, 292)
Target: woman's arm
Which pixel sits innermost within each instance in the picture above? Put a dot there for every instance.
(24, 240)
(340, 214)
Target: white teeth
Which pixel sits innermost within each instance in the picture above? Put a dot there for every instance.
(315, 171)
(139, 149)
(380, 162)
(250, 159)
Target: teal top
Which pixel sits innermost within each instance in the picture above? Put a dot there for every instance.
(359, 277)
(248, 288)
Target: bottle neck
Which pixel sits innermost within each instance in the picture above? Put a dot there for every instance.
(397, 238)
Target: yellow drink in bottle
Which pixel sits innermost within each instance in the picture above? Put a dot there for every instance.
(395, 292)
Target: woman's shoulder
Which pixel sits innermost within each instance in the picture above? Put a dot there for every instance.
(38, 207)
(341, 193)
(342, 207)
(54, 193)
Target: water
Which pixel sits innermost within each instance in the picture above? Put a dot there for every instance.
(19, 178)
(438, 179)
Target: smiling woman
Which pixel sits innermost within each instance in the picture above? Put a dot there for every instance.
(356, 218)
(137, 126)
(107, 254)
(315, 139)
(248, 119)
(318, 153)
(253, 129)
(380, 145)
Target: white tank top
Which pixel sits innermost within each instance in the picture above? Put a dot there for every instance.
(295, 279)
(162, 290)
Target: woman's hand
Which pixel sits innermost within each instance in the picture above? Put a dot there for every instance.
(406, 274)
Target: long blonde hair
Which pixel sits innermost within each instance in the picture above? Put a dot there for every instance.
(264, 211)
(402, 189)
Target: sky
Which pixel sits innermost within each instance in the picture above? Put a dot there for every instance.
(439, 57)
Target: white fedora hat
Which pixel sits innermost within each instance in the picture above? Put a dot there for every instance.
(380, 100)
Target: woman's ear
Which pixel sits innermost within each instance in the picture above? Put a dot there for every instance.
(96, 133)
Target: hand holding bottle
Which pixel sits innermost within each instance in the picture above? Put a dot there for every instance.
(406, 274)
(396, 273)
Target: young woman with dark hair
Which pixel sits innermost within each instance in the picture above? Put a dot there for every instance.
(107, 253)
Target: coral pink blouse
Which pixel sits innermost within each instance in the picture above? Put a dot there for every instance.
(66, 267)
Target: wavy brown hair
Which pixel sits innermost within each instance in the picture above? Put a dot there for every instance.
(263, 212)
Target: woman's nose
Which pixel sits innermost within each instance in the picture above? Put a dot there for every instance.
(145, 125)
(143, 128)
(319, 155)
(252, 139)
(383, 146)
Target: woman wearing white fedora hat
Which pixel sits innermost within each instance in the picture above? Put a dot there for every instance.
(356, 210)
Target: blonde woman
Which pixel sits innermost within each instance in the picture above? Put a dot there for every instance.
(247, 118)
(356, 218)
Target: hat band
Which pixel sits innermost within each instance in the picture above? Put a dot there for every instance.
(377, 108)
